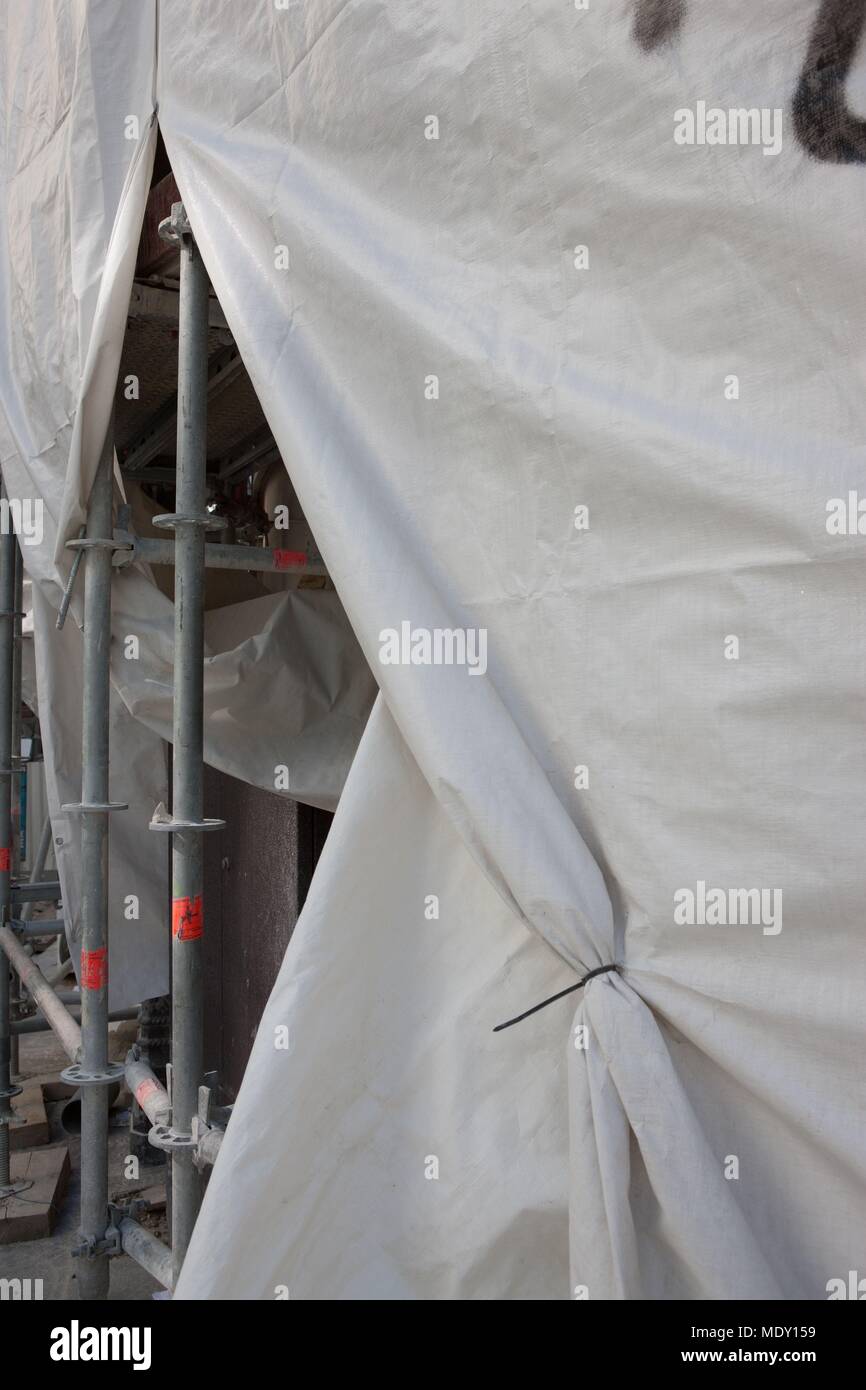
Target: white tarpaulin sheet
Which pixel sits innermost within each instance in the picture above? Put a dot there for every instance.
(285, 682)
(565, 356)
(551, 365)
(69, 76)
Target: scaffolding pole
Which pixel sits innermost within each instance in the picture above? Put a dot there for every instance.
(46, 999)
(191, 1142)
(146, 1250)
(8, 547)
(94, 1074)
(17, 765)
(250, 559)
(189, 523)
(189, 1139)
(40, 1024)
(17, 762)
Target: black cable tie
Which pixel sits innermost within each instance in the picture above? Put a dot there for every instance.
(600, 970)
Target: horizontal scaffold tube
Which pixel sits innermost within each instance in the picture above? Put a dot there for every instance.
(47, 891)
(44, 997)
(48, 926)
(146, 1250)
(148, 1090)
(209, 1145)
(40, 1025)
(155, 551)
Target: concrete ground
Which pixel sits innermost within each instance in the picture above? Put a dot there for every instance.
(50, 1259)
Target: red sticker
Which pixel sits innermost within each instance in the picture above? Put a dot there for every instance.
(5, 855)
(288, 559)
(147, 1088)
(94, 968)
(187, 922)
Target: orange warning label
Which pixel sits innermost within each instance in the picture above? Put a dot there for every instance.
(187, 922)
(145, 1089)
(5, 856)
(285, 559)
(94, 968)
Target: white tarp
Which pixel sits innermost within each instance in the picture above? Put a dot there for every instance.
(285, 682)
(70, 75)
(480, 284)
(694, 379)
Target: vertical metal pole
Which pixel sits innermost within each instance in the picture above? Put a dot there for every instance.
(16, 709)
(7, 620)
(16, 784)
(186, 864)
(92, 1272)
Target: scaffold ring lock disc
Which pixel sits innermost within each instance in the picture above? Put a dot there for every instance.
(97, 543)
(208, 521)
(78, 1075)
(165, 1138)
(95, 808)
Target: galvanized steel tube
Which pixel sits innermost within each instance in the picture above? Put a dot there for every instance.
(92, 1272)
(187, 1040)
(148, 1090)
(8, 547)
(44, 997)
(147, 1251)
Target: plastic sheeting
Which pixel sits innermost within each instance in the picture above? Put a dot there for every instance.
(285, 682)
(71, 75)
(451, 376)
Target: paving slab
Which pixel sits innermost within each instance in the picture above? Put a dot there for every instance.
(31, 1213)
(31, 1127)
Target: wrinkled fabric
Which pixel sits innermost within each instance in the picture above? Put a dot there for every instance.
(73, 192)
(137, 871)
(77, 138)
(691, 1126)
